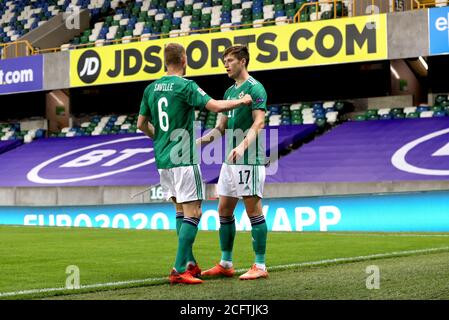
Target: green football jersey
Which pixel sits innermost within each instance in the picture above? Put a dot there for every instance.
(170, 103)
(242, 118)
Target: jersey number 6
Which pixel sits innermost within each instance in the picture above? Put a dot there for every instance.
(163, 116)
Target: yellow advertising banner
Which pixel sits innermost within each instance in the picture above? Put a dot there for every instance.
(288, 46)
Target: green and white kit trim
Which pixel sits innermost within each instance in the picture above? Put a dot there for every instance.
(241, 180)
(184, 183)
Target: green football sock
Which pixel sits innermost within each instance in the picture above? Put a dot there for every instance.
(259, 234)
(187, 235)
(227, 235)
(179, 219)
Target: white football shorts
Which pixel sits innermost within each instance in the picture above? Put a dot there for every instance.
(184, 183)
(241, 180)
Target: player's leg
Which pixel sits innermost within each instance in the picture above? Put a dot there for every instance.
(169, 191)
(179, 219)
(187, 235)
(179, 214)
(226, 205)
(168, 185)
(189, 193)
(253, 206)
(195, 184)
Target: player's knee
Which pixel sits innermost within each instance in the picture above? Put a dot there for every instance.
(251, 211)
(197, 213)
(225, 212)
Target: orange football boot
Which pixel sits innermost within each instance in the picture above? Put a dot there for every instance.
(218, 270)
(185, 277)
(194, 270)
(254, 273)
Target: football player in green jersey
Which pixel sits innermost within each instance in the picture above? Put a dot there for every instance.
(167, 115)
(243, 173)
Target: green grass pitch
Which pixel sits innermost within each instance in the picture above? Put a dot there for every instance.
(134, 264)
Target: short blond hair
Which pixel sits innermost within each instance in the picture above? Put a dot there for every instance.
(173, 53)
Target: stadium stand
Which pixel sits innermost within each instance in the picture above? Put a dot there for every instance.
(439, 109)
(100, 125)
(320, 113)
(19, 17)
(8, 145)
(323, 114)
(34, 153)
(12, 131)
(153, 19)
(363, 151)
(115, 21)
(159, 18)
(124, 21)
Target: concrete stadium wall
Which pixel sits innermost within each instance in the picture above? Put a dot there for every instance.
(55, 32)
(102, 195)
(407, 34)
(56, 70)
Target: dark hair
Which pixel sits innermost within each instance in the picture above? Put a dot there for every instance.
(173, 53)
(240, 52)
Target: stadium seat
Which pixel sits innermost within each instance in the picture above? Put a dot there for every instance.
(383, 111)
(408, 110)
(439, 114)
(386, 116)
(332, 116)
(412, 115)
(422, 108)
(426, 114)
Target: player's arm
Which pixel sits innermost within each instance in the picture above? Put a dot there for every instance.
(198, 98)
(226, 105)
(143, 121)
(145, 125)
(258, 124)
(216, 132)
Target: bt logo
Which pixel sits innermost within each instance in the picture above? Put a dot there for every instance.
(399, 158)
(89, 66)
(96, 156)
(93, 155)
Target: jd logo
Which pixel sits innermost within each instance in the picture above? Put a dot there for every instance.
(89, 66)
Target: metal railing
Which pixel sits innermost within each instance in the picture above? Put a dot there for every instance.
(180, 33)
(424, 4)
(16, 49)
(365, 7)
(309, 5)
(24, 48)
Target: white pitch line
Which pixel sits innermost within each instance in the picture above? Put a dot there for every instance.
(286, 266)
(359, 258)
(388, 235)
(89, 286)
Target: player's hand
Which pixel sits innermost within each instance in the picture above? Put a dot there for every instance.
(236, 154)
(247, 100)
